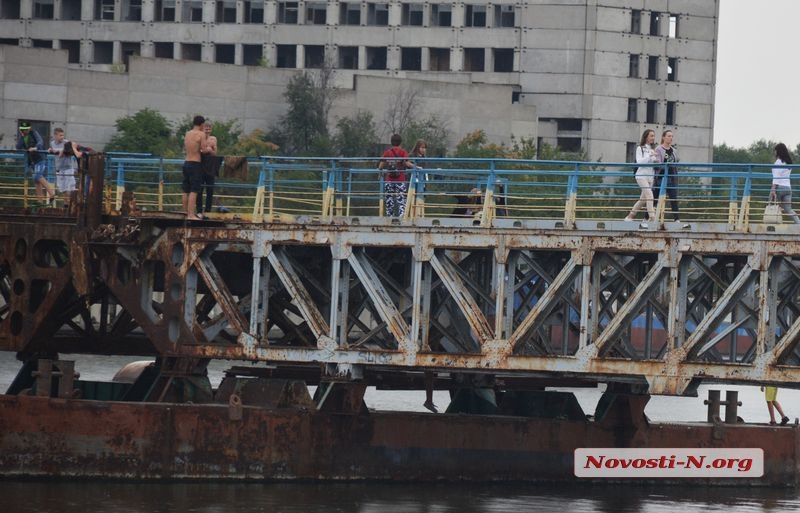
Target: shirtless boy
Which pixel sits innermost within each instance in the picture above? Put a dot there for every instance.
(193, 142)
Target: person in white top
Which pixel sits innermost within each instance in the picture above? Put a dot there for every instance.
(645, 154)
(781, 190)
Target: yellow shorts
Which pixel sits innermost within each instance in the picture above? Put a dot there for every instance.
(771, 393)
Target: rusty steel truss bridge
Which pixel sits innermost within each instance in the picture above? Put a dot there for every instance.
(361, 298)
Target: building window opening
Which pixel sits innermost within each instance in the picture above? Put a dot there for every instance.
(633, 110)
(70, 10)
(348, 57)
(474, 59)
(503, 60)
(190, 51)
(287, 13)
(42, 43)
(636, 21)
(670, 113)
(673, 25)
(633, 66)
(652, 111)
(655, 23)
(441, 15)
(377, 14)
(412, 15)
(103, 52)
(130, 49)
(226, 11)
(349, 13)
(132, 10)
(376, 57)
(287, 56)
(225, 54)
(652, 67)
(411, 59)
(104, 10)
(253, 55)
(315, 56)
(572, 144)
(630, 151)
(165, 50)
(192, 11)
(165, 10)
(9, 9)
(672, 69)
(475, 16)
(439, 59)
(504, 16)
(43, 9)
(73, 48)
(569, 125)
(254, 12)
(316, 13)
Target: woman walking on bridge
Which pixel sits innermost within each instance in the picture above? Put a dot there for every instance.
(645, 154)
(781, 191)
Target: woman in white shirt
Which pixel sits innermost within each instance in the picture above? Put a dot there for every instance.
(645, 154)
(781, 191)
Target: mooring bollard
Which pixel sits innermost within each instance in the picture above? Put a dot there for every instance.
(732, 404)
(713, 403)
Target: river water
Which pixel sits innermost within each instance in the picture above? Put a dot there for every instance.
(113, 497)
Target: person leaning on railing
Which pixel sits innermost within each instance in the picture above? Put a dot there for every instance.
(394, 163)
(29, 140)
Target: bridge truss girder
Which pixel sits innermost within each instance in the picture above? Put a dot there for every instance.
(667, 309)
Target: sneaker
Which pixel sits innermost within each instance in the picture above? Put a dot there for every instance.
(686, 226)
(643, 225)
(784, 421)
(628, 218)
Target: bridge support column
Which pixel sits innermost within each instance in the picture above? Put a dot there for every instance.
(622, 409)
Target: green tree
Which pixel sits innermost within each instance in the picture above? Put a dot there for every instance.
(356, 136)
(146, 131)
(256, 142)
(305, 125)
(226, 132)
(433, 130)
(477, 146)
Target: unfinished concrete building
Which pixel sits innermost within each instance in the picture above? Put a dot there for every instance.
(595, 72)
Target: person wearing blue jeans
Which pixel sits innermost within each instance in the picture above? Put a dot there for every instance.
(30, 141)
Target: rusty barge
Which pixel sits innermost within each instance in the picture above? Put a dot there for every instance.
(503, 306)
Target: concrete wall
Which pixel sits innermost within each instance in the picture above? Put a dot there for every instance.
(37, 84)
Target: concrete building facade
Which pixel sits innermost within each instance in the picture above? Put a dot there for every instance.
(588, 74)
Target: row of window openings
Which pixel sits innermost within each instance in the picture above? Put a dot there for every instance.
(652, 67)
(253, 55)
(288, 12)
(651, 112)
(655, 23)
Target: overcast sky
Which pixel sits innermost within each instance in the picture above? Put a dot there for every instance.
(758, 85)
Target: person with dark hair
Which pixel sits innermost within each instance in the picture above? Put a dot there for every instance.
(781, 191)
(645, 175)
(210, 164)
(667, 154)
(395, 188)
(193, 143)
(29, 140)
(65, 163)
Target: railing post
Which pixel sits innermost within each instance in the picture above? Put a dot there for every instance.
(120, 186)
(733, 208)
(661, 204)
(411, 195)
(258, 205)
(570, 209)
(744, 212)
(487, 214)
(160, 184)
(382, 192)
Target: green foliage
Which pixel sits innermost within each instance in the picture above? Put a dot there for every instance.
(256, 142)
(356, 136)
(226, 132)
(432, 129)
(759, 152)
(477, 146)
(145, 131)
(305, 121)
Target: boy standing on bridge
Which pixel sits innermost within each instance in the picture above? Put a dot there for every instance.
(193, 142)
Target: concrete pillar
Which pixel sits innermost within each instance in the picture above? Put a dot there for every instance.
(148, 11)
(87, 51)
(426, 16)
(488, 59)
(392, 57)
(456, 59)
(87, 12)
(425, 59)
(239, 12)
(362, 57)
(148, 49)
(26, 9)
(238, 53)
(56, 10)
(56, 44)
(270, 53)
(179, 11)
(177, 51)
(332, 14)
(207, 52)
(116, 52)
(490, 16)
(271, 14)
(458, 16)
(209, 12)
(395, 14)
(300, 56)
